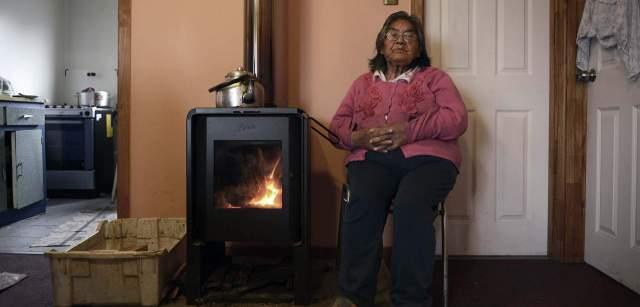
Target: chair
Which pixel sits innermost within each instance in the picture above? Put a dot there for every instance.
(346, 197)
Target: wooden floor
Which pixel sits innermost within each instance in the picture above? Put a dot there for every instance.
(473, 282)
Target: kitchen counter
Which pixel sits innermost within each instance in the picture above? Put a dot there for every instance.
(9, 99)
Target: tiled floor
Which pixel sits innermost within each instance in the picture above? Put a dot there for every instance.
(65, 223)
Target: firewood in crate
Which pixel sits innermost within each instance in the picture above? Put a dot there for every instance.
(174, 294)
(171, 289)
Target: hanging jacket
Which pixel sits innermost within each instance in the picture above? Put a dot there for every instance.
(614, 23)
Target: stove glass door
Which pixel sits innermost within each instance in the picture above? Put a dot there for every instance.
(248, 174)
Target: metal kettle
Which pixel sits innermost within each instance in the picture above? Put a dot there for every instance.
(241, 89)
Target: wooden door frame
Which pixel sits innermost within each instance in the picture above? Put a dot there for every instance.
(567, 127)
(567, 135)
(123, 109)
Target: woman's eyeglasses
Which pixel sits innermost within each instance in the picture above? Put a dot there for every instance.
(394, 36)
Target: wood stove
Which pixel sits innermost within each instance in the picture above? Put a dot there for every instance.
(247, 180)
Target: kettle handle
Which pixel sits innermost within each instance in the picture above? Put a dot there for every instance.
(232, 81)
(249, 96)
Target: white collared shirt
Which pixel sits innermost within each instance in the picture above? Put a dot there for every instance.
(406, 76)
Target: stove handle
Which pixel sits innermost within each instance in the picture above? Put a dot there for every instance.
(64, 122)
(26, 116)
(330, 136)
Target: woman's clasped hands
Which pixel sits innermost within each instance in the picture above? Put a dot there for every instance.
(381, 139)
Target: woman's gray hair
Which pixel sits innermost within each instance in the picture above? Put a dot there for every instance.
(380, 63)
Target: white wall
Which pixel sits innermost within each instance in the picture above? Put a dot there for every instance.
(31, 45)
(39, 39)
(91, 46)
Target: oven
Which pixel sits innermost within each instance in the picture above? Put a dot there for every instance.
(69, 143)
(69, 148)
(79, 150)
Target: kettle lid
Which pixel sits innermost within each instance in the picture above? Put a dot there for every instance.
(241, 71)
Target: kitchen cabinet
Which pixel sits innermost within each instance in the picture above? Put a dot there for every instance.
(3, 173)
(28, 175)
(22, 184)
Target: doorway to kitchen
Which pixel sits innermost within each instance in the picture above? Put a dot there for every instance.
(80, 125)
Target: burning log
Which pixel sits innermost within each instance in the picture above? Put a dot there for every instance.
(250, 178)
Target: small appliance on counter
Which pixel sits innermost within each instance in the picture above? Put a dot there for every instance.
(80, 150)
(8, 94)
(5, 87)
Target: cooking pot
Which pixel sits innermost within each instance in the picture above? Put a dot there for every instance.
(102, 99)
(241, 89)
(86, 97)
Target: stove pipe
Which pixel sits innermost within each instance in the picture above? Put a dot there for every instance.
(258, 16)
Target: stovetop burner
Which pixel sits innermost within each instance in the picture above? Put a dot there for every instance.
(72, 110)
(66, 106)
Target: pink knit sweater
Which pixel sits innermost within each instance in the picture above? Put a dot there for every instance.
(430, 103)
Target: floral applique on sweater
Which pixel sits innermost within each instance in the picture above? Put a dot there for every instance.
(413, 95)
(366, 108)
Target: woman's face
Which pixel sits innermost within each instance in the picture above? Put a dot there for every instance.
(400, 44)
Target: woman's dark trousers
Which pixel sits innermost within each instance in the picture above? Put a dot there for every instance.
(415, 186)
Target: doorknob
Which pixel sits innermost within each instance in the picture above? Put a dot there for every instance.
(586, 76)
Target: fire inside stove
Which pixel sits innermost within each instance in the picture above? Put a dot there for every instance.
(247, 175)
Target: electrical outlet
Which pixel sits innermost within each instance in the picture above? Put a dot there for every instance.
(390, 2)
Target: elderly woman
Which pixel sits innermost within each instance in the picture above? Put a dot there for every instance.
(401, 122)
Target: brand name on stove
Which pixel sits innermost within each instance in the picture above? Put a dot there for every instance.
(246, 127)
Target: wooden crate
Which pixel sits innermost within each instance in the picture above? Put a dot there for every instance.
(128, 261)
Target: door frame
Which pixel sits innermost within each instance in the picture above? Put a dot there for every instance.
(123, 163)
(567, 135)
(567, 127)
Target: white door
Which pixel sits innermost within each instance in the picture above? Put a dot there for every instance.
(497, 52)
(612, 241)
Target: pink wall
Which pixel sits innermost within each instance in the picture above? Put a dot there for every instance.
(329, 46)
(181, 48)
(178, 50)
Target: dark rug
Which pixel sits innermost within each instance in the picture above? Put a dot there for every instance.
(35, 290)
(532, 283)
(472, 282)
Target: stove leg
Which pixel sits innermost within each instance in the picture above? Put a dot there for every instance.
(302, 275)
(202, 259)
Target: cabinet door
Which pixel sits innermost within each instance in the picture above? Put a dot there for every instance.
(3, 173)
(28, 175)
